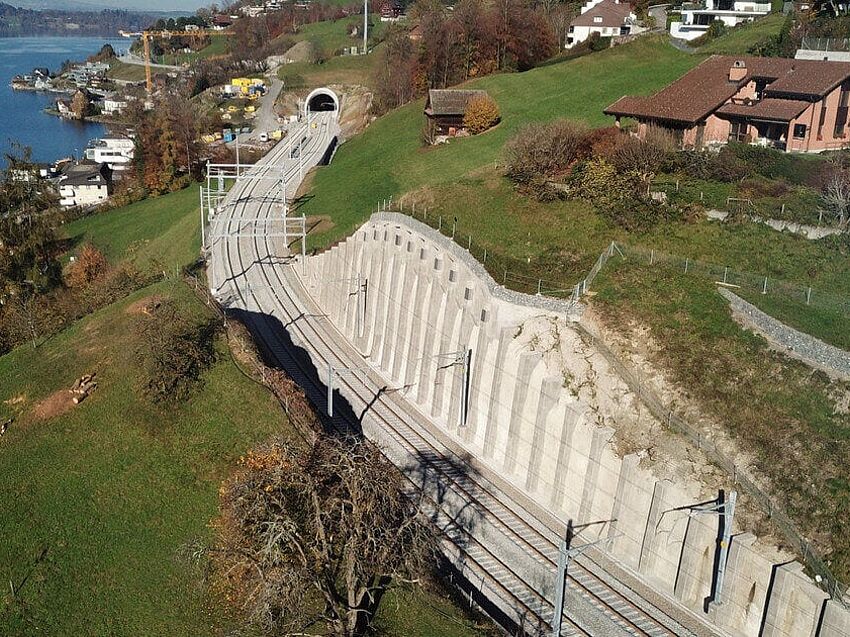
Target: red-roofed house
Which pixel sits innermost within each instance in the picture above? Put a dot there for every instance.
(793, 105)
(608, 18)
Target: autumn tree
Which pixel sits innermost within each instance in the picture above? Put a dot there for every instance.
(313, 538)
(86, 268)
(80, 105)
(482, 113)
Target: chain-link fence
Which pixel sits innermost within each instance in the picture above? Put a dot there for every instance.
(520, 276)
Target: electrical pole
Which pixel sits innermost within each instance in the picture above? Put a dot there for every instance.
(725, 510)
(565, 554)
(365, 26)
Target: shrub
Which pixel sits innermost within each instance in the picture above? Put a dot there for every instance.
(540, 152)
(482, 113)
(643, 158)
(89, 265)
(174, 351)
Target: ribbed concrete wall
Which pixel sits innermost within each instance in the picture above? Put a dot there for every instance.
(425, 302)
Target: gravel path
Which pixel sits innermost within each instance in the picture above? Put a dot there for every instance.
(810, 350)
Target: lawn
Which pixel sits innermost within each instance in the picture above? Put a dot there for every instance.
(218, 46)
(740, 39)
(791, 423)
(111, 490)
(342, 69)
(126, 72)
(331, 36)
(388, 158)
(162, 231)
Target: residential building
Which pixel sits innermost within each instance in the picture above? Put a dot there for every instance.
(608, 18)
(696, 18)
(114, 106)
(792, 105)
(832, 49)
(445, 108)
(84, 184)
(391, 11)
(117, 153)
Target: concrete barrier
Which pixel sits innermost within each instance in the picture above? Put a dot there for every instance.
(427, 302)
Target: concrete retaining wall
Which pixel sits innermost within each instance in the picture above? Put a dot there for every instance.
(425, 302)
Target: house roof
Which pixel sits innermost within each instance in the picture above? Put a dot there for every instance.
(449, 101)
(703, 89)
(612, 12)
(84, 173)
(769, 109)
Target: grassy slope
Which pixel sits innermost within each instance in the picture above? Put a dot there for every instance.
(387, 159)
(789, 423)
(114, 488)
(163, 230)
(128, 72)
(332, 35)
(741, 38)
(342, 69)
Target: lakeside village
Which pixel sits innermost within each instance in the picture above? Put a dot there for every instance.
(89, 94)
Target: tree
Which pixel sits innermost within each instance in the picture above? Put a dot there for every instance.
(174, 350)
(80, 105)
(311, 539)
(482, 113)
(836, 196)
(89, 266)
(641, 159)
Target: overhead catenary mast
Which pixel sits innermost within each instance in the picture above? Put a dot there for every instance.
(365, 25)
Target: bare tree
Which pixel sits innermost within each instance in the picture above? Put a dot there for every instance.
(310, 540)
(836, 196)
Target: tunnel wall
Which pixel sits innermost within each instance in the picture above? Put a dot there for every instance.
(425, 298)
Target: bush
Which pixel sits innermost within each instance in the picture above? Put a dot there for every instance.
(89, 265)
(539, 153)
(482, 113)
(173, 353)
(641, 159)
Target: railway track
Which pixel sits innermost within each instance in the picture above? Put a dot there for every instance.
(269, 294)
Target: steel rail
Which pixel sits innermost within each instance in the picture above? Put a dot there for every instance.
(583, 587)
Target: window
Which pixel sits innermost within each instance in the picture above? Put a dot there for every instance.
(799, 131)
(597, 19)
(841, 114)
(821, 120)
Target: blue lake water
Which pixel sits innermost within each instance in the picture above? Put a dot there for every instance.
(21, 112)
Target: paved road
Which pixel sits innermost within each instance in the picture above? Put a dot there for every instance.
(506, 555)
(131, 58)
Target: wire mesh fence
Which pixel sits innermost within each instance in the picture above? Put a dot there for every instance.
(751, 284)
(521, 276)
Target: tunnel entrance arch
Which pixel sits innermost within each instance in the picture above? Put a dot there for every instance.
(321, 100)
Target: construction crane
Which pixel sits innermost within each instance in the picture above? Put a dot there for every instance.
(147, 36)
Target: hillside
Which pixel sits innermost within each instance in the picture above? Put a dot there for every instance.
(104, 498)
(793, 427)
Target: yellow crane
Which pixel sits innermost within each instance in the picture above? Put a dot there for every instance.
(147, 36)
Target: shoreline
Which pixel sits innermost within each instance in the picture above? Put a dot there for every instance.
(33, 89)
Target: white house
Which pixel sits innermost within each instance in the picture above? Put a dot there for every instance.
(84, 184)
(696, 18)
(608, 18)
(117, 152)
(114, 106)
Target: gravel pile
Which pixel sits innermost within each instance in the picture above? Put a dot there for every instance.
(797, 344)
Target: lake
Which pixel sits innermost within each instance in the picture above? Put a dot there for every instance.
(23, 119)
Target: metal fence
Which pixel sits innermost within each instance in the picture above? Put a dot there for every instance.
(751, 284)
(519, 276)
